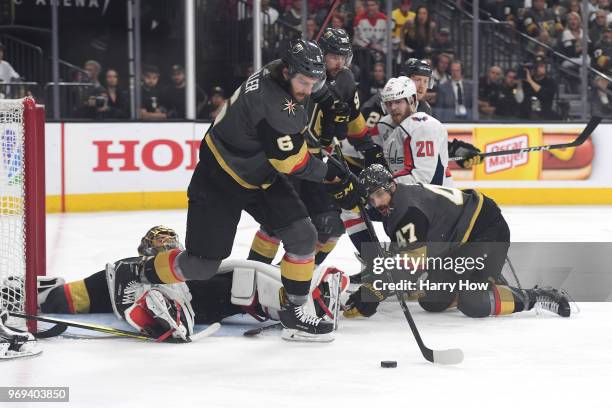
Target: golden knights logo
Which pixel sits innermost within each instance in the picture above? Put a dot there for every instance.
(297, 48)
(290, 106)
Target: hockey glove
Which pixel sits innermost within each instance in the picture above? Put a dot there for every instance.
(372, 154)
(466, 150)
(346, 193)
(363, 302)
(334, 123)
(333, 171)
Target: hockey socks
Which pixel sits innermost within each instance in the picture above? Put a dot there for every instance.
(323, 249)
(89, 295)
(162, 268)
(263, 247)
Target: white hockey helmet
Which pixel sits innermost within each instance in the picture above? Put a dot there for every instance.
(398, 88)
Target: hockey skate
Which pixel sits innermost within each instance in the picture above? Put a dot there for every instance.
(14, 344)
(301, 324)
(551, 300)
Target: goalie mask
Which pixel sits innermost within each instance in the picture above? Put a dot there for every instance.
(158, 239)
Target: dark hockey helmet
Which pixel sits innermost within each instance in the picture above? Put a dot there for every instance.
(415, 66)
(158, 239)
(374, 177)
(337, 41)
(306, 58)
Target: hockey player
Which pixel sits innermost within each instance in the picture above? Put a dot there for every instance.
(172, 310)
(427, 221)
(257, 136)
(415, 144)
(347, 124)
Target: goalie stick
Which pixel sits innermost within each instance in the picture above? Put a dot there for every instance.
(448, 356)
(63, 324)
(582, 137)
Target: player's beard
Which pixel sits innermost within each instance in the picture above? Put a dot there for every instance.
(384, 210)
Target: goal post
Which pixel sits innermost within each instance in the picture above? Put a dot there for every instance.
(22, 203)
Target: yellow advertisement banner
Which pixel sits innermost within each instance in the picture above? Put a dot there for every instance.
(522, 166)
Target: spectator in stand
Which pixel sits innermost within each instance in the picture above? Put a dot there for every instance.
(504, 10)
(571, 41)
(598, 26)
(602, 52)
(93, 69)
(341, 12)
(454, 98)
(442, 42)
(539, 90)
(489, 90)
(311, 29)
(117, 97)
(375, 82)
(269, 14)
(151, 107)
(217, 99)
(293, 15)
(441, 63)
(542, 23)
(97, 107)
(7, 73)
(173, 96)
(338, 20)
(401, 16)
(600, 100)
(371, 28)
(510, 97)
(418, 35)
(313, 5)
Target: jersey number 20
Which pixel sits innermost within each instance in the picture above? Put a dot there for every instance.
(425, 148)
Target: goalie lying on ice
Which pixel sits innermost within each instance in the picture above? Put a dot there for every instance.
(161, 311)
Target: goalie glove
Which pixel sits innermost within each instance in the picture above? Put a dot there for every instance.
(466, 150)
(163, 312)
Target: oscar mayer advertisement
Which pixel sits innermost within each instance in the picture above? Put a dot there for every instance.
(562, 164)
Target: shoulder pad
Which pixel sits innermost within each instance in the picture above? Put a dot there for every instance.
(282, 111)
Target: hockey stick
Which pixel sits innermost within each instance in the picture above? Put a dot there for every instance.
(582, 137)
(105, 329)
(328, 17)
(448, 356)
(261, 329)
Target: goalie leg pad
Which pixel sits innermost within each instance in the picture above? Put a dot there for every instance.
(250, 286)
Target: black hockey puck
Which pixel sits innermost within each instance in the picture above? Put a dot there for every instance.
(388, 364)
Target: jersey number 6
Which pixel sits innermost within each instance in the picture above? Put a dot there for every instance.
(285, 143)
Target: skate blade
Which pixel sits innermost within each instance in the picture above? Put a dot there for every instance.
(300, 336)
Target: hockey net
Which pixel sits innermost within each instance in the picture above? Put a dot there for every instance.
(22, 205)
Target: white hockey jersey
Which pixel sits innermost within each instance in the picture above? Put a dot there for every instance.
(416, 150)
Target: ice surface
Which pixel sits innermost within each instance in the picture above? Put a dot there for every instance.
(520, 360)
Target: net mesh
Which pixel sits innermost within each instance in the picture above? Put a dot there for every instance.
(12, 206)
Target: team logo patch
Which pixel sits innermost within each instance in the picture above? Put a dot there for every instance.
(290, 106)
(297, 48)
